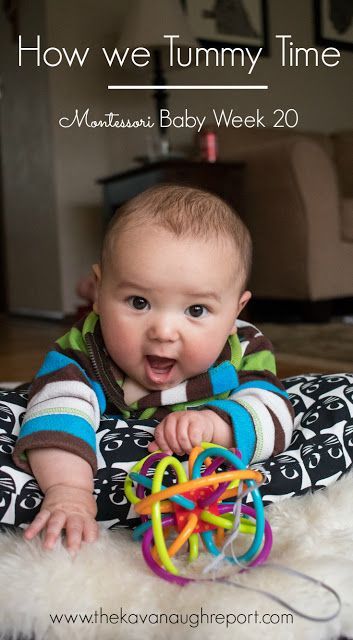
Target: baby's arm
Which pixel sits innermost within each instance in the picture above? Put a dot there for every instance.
(258, 409)
(257, 417)
(57, 441)
(67, 482)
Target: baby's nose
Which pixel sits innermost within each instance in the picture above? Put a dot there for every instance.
(163, 329)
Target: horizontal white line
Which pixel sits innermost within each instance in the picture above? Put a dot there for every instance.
(182, 86)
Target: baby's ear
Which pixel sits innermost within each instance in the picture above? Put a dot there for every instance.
(97, 274)
(243, 301)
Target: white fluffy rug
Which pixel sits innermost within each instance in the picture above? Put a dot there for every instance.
(313, 534)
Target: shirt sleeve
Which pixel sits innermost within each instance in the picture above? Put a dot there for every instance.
(258, 408)
(64, 407)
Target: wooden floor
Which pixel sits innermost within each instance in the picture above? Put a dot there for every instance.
(23, 343)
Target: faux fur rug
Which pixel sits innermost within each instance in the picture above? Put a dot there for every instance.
(313, 534)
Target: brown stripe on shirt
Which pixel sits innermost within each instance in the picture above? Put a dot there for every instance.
(290, 407)
(80, 357)
(153, 399)
(196, 388)
(199, 387)
(257, 341)
(161, 413)
(225, 354)
(279, 443)
(47, 439)
(81, 321)
(256, 376)
(70, 372)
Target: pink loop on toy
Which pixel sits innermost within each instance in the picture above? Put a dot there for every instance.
(216, 462)
(150, 561)
(267, 545)
(213, 497)
(168, 521)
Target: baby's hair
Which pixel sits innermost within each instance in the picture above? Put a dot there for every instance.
(184, 211)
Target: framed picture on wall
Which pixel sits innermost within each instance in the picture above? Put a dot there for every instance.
(221, 23)
(334, 23)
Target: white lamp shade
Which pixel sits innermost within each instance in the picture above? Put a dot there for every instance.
(147, 21)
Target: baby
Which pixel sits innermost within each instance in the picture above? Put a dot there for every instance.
(162, 340)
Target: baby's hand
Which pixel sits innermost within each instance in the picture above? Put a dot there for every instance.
(69, 508)
(180, 431)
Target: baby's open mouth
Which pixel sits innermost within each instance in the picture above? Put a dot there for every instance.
(157, 363)
(158, 369)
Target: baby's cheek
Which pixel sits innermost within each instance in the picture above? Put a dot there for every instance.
(121, 343)
(126, 348)
(198, 357)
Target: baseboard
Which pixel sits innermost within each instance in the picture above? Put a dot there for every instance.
(43, 314)
(291, 311)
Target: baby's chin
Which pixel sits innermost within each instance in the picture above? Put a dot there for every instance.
(163, 386)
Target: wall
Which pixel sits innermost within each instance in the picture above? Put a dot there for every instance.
(59, 168)
(320, 95)
(81, 154)
(29, 208)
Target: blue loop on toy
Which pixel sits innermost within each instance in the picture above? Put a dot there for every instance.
(147, 482)
(141, 529)
(258, 506)
(138, 532)
(213, 452)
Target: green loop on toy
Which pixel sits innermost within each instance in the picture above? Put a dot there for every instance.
(128, 484)
(157, 526)
(218, 521)
(193, 547)
(147, 483)
(246, 525)
(258, 506)
(209, 445)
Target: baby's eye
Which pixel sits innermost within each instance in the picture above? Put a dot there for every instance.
(138, 303)
(196, 311)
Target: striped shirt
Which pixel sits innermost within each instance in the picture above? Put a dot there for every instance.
(78, 382)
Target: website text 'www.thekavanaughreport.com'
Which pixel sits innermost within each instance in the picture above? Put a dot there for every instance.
(192, 619)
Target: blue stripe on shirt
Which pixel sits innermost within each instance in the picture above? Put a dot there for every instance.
(261, 384)
(243, 426)
(63, 422)
(54, 361)
(223, 378)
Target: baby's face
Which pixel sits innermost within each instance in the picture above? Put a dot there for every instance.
(167, 304)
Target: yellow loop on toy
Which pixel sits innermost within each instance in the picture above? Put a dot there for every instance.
(245, 525)
(143, 507)
(234, 484)
(157, 525)
(167, 507)
(193, 547)
(210, 445)
(206, 516)
(128, 484)
(247, 528)
(183, 536)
